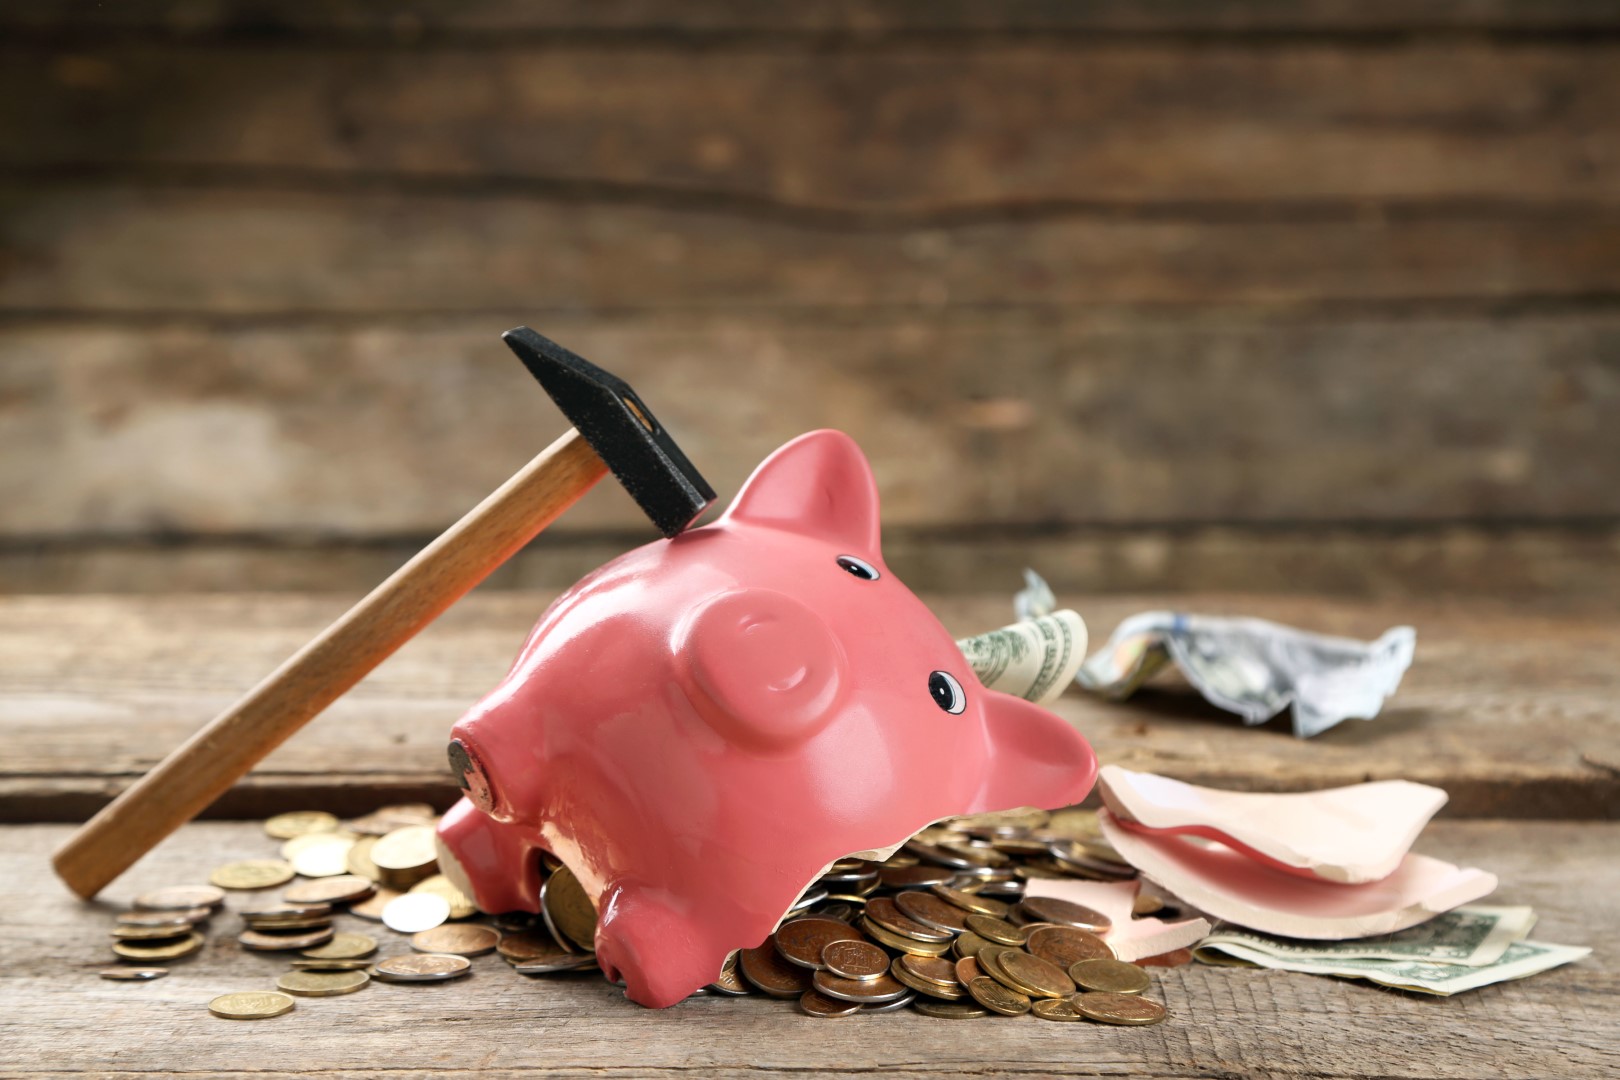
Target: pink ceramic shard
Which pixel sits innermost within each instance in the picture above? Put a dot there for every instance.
(1130, 938)
(1348, 834)
(701, 725)
(1227, 884)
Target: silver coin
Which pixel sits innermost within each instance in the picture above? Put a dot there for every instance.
(421, 967)
(891, 1006)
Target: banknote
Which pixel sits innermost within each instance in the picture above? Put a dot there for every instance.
(1033, 659)
(1474, 935)
(1522, 959)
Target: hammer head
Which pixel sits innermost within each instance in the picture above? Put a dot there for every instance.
(623, 431)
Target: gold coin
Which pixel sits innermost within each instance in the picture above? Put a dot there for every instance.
(252, 874)
(1109, 976)
(971, 902)
(1146, 904)
(998, 998)
(340, 889)
(569, 913)
(1060, 1009)
(133, 974)
(1067, 945)
(854, 959)
(949, 1010)
(458, 940)
(1034, 976)
(300, 844)
(251, 1005)
(904, 944)
(298, 822)
(373, 907)
(411, 913)
(322, 983)
(406, 856)
(191, 916)
(330, 965)
(815, 1003)
(967, 969)
(164, 950)
(899, 973)
(180, 897)
(360, 863)
(1130, 1009)
(997, 930)
(1052, 910)
(968, 944)
(325, 860)
(421, 967)
(931, 969)
(802, 940)
(344, 946)
(155, 932)
(261, 941)
(461, 905)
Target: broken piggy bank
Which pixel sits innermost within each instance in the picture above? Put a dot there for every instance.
(698, 728)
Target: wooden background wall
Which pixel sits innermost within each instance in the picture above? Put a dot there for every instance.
(1187, 293)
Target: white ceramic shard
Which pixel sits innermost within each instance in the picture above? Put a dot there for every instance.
(1131, 939)
(1227, 884)
(1349, 834)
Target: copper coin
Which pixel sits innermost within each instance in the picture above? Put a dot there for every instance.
(886, 914)
(968, 944)
(374, 907)
(127, 932)
(800, 941)
(1110, 976)
(1034, 976)
(181, 897)
(864, 991)
(457, 939)
(931, 911)
(925, 986)
(261, 941)
(854, 959)
(997, 930)
(285, 911)
(1130, 1009)
(342, 889)
(817, 1004)
(970, 902)
(949, 1010)
(1173, 959)
(422, 967)
(1061, 1009)
(967, 969)
(996, 997)
(730, 981)
(772, 973)
(534, 945)
(1063, 912)
(914, 877)
(904, 944)
(931, 969)
(1067, 945)
(989, 960)
(343, 946)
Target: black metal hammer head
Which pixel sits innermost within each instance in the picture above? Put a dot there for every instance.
(619, 428)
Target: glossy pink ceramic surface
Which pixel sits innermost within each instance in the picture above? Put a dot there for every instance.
(701, 725)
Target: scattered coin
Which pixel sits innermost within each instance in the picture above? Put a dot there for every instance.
(534, 945)
(162, 917)
(339, 889)
(568, 961)
(252, 874)
(815, 1003)
(152, 932)
(180, 897)
(772, 973)
(949, 1010)
(864, 991)
(1061, 1009)
(998, 998)
(997, 930)
(373, 907)
(568, 911)
(461, 905)
(931, 911)
(1034, 976)
(854, 959)
(343, 946)
(1052, 910)
(322, 983)
(299, 822)
(1129, 1009)
(802, 940)
(1067, 945)
(406, 855)
(459, 939)
(422, 967)
(265, 941)
(133, 974)
(1111, 976)
(172, 949)
(412, 913)
(359, 859)
(329, 857)
(251, 1005)
(303, 964)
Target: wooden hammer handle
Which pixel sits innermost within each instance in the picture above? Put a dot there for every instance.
(213, 759)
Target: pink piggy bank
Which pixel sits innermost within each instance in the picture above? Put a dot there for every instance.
(699, 727)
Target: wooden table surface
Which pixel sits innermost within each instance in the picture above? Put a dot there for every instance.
(1511, 707)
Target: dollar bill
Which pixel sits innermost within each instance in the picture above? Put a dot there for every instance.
(1475, 935)
(1033, 659)
(1520, 960)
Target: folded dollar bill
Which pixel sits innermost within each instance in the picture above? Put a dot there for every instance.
(1033, 659)
(1464, 949)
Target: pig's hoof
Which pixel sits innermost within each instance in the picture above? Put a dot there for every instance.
(660, 956)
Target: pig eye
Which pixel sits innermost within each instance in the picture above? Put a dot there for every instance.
(947, 692)
(859, 567)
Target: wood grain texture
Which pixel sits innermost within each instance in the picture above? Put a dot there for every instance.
(927, 131)
(98, 249)
(63, 1021)
(1513, 708)
(989, 420)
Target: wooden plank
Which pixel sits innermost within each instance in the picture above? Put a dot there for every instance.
(411, 20)
(64, 1022)
(1512, 707)
(971, 419)
(934, 129)
(102, 248)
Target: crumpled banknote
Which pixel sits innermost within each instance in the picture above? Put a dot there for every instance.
(1253, 667)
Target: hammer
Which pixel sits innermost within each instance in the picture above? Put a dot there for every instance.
(612, 430)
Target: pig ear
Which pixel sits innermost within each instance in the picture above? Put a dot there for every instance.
(817, 485)
(1036, 757)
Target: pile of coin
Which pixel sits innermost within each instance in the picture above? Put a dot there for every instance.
(165, 924)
